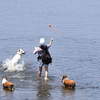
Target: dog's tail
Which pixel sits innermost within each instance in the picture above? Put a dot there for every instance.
(73, 85)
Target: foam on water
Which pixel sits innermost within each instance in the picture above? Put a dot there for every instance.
(18, 67)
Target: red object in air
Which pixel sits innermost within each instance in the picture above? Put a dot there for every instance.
(52, 28)
(49, 25)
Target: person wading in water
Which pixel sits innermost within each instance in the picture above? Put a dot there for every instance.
(44, 57)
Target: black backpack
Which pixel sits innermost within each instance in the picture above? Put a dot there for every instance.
(46, 57)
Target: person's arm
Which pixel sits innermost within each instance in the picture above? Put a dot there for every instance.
(50, 43)
(36, 50)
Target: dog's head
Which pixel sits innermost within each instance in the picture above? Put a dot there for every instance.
(20, 52)
(4, 78)
(63, 77)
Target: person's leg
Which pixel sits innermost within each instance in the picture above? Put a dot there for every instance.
(40, 68)
(39, 71)
(46, 72)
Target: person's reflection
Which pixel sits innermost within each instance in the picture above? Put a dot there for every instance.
(43, 89)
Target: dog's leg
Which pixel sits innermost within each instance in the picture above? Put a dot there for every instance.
(63, 85)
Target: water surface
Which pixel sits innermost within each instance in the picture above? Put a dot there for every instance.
(75, 49)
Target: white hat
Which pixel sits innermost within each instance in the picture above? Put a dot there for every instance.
(42, 41)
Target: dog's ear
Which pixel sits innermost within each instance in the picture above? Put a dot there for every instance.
(65, 76)
(19, 50)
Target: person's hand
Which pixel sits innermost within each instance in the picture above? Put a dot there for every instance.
(52, 39)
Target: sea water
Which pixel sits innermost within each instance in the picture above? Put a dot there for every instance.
(75, 49)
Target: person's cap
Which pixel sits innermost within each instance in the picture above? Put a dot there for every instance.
(42, 41)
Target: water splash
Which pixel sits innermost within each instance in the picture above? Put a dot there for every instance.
(18, 67)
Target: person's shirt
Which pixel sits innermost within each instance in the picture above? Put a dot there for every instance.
(39, 50)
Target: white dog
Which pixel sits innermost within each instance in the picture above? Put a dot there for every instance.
(17, 57)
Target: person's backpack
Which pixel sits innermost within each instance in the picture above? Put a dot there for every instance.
(46, 57)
